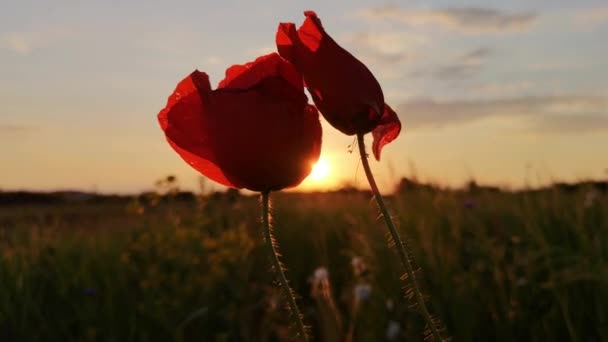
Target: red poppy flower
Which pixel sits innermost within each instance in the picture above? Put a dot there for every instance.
(255, 131)
(343, 88)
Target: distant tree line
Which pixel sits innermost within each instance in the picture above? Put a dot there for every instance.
(405, 185)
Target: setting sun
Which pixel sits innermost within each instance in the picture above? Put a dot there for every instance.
(321, 176)
(320, 171)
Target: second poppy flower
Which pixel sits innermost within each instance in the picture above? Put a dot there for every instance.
(342, 87)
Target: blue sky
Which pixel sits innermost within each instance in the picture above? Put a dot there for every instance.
(505, 92)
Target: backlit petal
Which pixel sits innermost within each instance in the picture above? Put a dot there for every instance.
(287, 37)
(387, 130)
(181, 120)
(250, 74)
(342, 87)
(266, 137)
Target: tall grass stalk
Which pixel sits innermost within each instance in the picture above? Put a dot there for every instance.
(278, 268)
(401, 250)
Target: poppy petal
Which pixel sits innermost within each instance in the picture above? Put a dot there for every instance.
(311, 32)
(181, 120)
(342, 87)
(256, 131)
(387, 130)
(287, 36)
(280, 150)
(202, 165)
(250, 74)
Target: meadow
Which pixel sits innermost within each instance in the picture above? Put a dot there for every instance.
(494, 265)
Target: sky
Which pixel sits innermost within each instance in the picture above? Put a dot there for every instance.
(509, 93)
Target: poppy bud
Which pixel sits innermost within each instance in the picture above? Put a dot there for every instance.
(343, 89)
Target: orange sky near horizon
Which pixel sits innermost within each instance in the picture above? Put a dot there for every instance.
(509, 94)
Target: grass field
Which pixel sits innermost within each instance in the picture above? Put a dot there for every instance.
(496, 266)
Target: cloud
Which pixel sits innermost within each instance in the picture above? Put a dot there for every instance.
(588, 123)
(24, 43)
(552, 113)
(214, 60)
(462, 67)
(387, 53)
(16, 129)
(502, 89)
(390, 47)
(173, 41)
(476, 55)
(591, 17)
(548, 65)
(469, 20)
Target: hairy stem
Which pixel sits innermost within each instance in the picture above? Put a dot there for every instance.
(401, 250)
(278, 268)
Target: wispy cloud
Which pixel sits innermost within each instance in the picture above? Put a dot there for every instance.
(214, 60)
(470, 20)
(175, 41)
(476, 55)
(389, 47)
(566, 112)
(585, 123)
(389, 53)
(591, 17)
(26, 42)
(462, 67)
(549, 65)
(16, 129)
(502, 89)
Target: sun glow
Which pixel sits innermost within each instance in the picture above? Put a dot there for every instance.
(320, 171)
(321, 177)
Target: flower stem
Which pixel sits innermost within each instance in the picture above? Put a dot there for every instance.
(278, 268)
(401, 250)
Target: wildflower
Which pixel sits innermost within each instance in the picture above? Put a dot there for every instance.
(363, 292)
(359, 266)
(320, 274)
(344, 90)
(392, 330)
(319, 282)
(255, 131)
